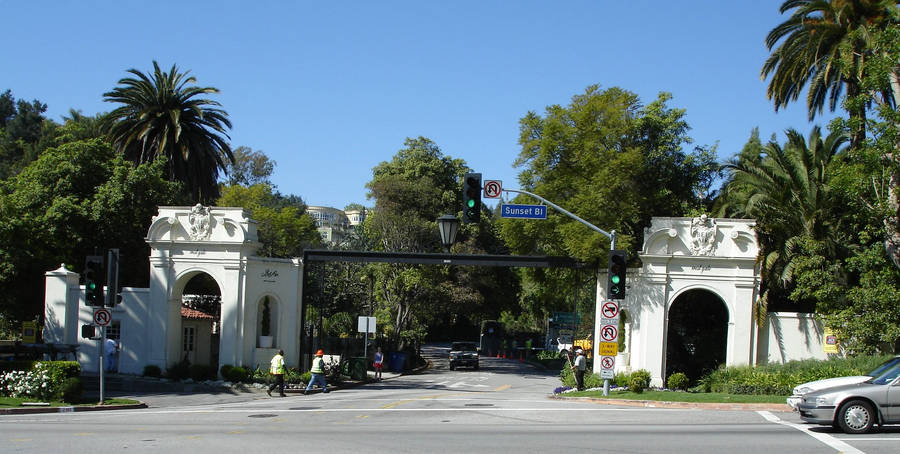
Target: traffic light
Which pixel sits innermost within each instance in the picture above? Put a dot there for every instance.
(472, 198)
(615, 290)
(88, 332)
(93, 280)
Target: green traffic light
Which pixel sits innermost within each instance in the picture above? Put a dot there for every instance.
(92, 286)
(614, 279)
(470, 203)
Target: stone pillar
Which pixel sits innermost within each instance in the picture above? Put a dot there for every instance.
(61, 306)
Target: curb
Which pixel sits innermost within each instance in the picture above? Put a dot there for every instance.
(670, 404)
(69, 409)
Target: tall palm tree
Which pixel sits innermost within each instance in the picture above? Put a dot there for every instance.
(824, 43)
(787, 192)
(163, 115)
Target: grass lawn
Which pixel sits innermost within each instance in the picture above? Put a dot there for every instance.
(9, 402)
(676, 396)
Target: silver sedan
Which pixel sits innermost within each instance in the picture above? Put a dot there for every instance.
(856, 408)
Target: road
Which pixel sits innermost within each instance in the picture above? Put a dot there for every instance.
(501, 408)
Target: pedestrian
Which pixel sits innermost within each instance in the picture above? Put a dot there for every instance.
(110, 350)
(277, 369)
(579, 368)
(317, 373)
(379, 363)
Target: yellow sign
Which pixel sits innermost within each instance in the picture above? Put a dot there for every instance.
(607, 348)
(830, 344)
(29, 332)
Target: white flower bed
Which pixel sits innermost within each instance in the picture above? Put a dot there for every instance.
(34, 383)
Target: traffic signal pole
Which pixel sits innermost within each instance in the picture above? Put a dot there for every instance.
(612, 246)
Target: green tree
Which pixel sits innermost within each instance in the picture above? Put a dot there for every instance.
(74, 198)
(165, 115)
(284, 230)
(411, 191)
(788, 193)
(824, 43)
(249, 168)
(24, 133)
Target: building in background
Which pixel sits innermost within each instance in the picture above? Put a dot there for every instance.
(333, 224)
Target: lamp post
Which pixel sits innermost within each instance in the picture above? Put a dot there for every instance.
(448, 224)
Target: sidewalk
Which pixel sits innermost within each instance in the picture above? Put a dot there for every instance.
(161, 393)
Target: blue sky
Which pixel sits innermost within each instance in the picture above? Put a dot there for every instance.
(330, 89)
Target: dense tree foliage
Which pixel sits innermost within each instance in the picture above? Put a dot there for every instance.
(24, 133)
(613, 162)
(284, 228)
(411, 191)
(163, 114)
(74, 198)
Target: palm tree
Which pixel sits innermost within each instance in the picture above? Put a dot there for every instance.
(824, 43)
(787, 192)
(162, 116)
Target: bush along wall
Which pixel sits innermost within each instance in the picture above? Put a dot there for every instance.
(42, 380)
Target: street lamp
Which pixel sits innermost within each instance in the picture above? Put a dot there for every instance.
(448, 224)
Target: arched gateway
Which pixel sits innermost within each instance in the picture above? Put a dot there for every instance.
(157, 327)
(697, 283)
(682, 258)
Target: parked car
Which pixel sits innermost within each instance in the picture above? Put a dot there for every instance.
(463, 354)
(806, 388)
(856, 408)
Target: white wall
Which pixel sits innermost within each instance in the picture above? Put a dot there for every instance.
(791, 336)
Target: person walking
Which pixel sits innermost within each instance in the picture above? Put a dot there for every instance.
(317, 373)
(579, 368)
(379, 363)
(277, 369)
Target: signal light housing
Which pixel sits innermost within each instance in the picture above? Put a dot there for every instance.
(93, 280)
(472, 198)
(615, 289)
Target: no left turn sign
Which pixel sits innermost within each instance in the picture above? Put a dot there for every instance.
(102, 317)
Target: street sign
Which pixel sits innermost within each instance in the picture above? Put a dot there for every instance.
(492, 189)
(102, 317)
(523, 211)
(365, 324)
(609, 310)
(609, 333)
(607, 366)
(607, 348)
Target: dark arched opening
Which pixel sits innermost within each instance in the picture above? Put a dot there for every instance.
(697, 334)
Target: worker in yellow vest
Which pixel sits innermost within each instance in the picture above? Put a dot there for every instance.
(317, 373)
(277, 370)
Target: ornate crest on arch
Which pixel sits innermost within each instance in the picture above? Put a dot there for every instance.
(200, 222)
(703, 235)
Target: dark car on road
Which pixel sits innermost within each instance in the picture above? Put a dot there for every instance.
(463, 354)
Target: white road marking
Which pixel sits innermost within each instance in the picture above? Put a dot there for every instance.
(830, 441)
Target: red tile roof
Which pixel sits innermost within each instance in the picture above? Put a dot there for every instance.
(194, 314)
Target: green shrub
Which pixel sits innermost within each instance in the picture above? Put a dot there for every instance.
(71, 390)
(780, 379)
(225, 370)
(238, 374)
(23, 365)
(621, 379)
(179, 370)
(679, 381)
(152, 370)
(639, 380)
(200, 372)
